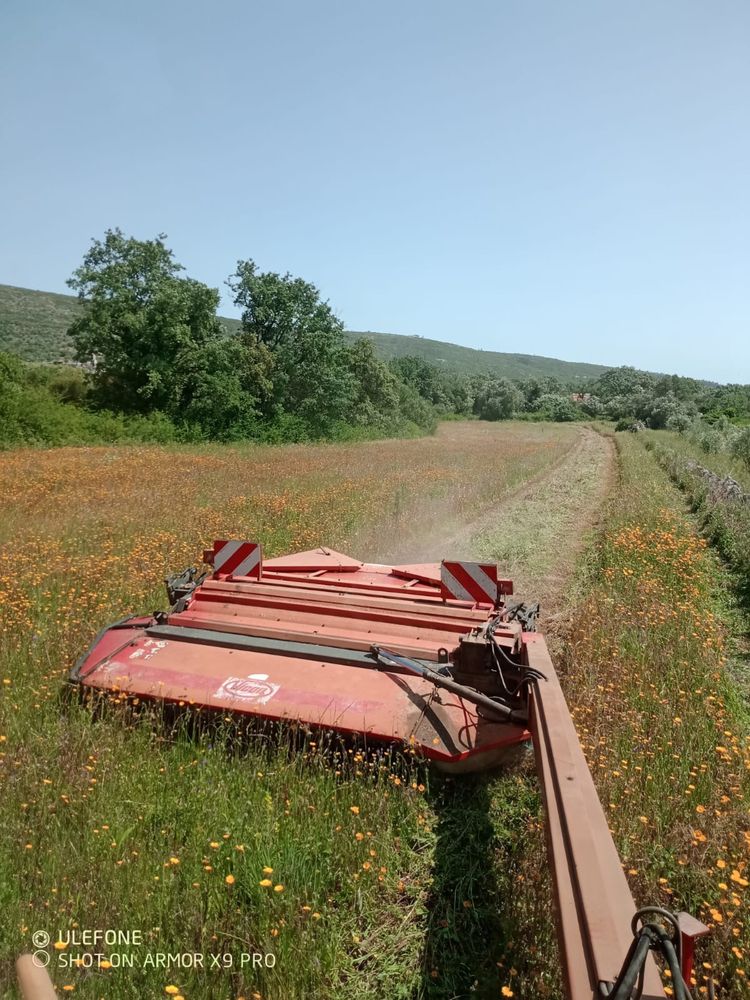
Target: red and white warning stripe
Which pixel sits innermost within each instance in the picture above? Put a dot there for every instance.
(233, 558)
(469, 581)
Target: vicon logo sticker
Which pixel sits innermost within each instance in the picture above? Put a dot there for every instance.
(255, 688)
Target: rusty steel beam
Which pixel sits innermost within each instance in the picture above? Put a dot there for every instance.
(594, 905)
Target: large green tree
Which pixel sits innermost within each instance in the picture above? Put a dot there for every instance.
(140, 322)
(623, 381)
(429, 381)
(558, 407)
(375, 396)
(499, 400)
(222, 388)
(534, 388)
(313, 380)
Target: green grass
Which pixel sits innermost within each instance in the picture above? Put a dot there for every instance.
(722, 463)
(725, 521)
(135, 821)
(34, 324)
(654, 673)
(654, 668)
(534, 538)
(181, 855)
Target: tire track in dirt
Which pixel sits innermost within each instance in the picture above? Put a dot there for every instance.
(437, 529)
(463, 542)
(534, 529)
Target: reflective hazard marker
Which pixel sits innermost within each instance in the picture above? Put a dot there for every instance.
(237, 558)
(469, 581)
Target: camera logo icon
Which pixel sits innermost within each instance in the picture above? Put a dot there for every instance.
(40, 939)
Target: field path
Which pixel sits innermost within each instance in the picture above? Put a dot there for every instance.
(534, 529)
(537, 532)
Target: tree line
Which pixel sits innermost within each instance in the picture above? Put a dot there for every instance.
(157, 345)
(160, 365)
(638, 399)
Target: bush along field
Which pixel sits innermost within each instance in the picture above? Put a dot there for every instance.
(718, 487)
(653, 676)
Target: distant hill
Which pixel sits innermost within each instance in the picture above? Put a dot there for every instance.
(34, 325)
(471, 361)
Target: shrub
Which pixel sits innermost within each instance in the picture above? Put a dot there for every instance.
(740, 446)
(498, 400)
(724, 514)
(679, 422)
(629, 424)
(558, 408)
(710, 440)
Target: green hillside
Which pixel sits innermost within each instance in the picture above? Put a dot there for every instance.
(469, 360)
(34, 324)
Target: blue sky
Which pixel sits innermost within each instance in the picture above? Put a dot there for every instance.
(569, 179)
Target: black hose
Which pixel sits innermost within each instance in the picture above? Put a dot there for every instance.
(649, 937)
(632, 967)
(681, 988)
(388, 658)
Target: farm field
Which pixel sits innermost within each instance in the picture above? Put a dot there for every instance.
(112, 823)
(365, 878)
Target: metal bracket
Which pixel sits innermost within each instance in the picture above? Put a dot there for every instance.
(691, 930)
(181, 585)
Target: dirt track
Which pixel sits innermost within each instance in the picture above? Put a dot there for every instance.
(537, 533)
(535, 530)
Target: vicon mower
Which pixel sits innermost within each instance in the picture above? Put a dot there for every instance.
(435, 657)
